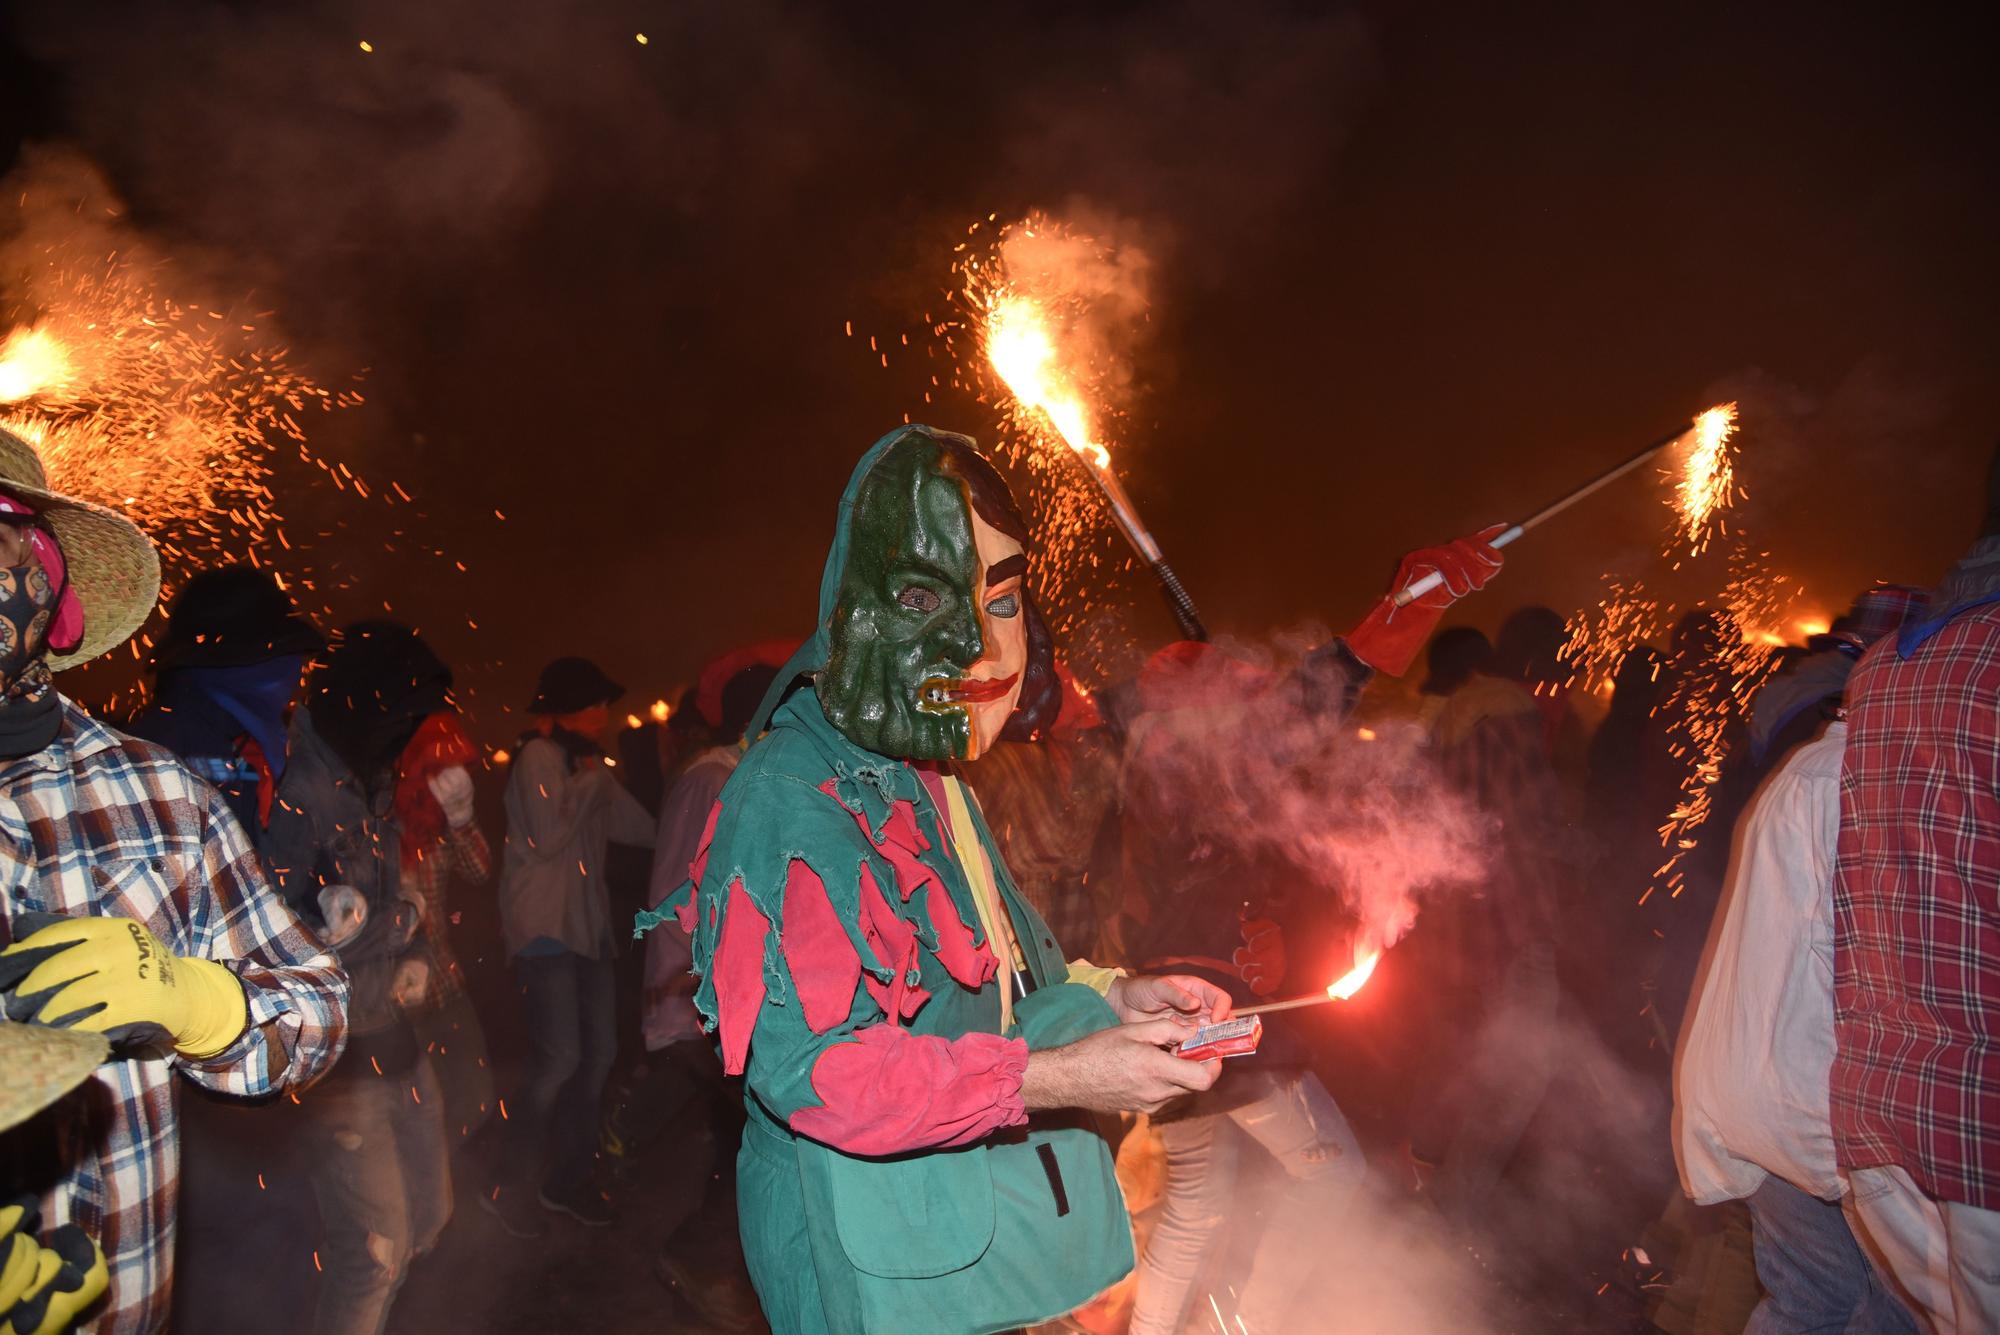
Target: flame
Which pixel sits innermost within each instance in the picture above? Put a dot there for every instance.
(1022, 349)
(1344, 987)
(632, 721)
(661, 711)
(1707, 481)
(33, 361)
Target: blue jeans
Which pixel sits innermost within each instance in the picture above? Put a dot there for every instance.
(1815, 1276)
(1297, 1124)
(573, 1040)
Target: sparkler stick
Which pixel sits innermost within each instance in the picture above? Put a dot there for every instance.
(1419, 588)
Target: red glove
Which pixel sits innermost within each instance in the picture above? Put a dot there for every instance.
(1260, 960)
(1390, 636)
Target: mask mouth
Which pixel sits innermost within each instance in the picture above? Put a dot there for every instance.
(942, 693)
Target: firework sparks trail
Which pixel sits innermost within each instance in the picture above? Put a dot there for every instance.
(1712, 692)
(1706, 484)
(168, 412)
(1600, 637)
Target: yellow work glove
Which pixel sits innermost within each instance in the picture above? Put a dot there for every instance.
(43, 1286)
(113, 976)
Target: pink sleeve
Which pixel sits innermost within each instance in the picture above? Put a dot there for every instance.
(888, 1091)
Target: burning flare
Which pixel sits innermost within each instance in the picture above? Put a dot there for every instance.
(1708, 478)
(1344, 987)
(1022, 349)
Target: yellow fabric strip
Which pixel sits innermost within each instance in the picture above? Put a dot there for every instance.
(993, 916)
(1096, 977)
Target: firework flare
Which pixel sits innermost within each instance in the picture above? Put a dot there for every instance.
(1706, 485)
(169, 412)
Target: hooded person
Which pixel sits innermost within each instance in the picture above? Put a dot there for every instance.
(915, 1045)
(135, 906)
(378, 1152)
(227, 671)
(565, 807)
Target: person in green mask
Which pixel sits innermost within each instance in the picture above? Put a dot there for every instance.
(921, 1058)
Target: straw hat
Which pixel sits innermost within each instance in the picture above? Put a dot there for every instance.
(42, 1065)
(112, 565)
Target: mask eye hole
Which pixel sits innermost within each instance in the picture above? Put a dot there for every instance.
(919, 599)
(1007, 605)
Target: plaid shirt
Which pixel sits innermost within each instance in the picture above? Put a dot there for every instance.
(426, 877)
(99, 823)
(1916, 1081)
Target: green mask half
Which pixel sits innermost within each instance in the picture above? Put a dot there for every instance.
(906, 616)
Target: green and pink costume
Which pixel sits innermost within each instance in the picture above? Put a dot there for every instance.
(891, 1178)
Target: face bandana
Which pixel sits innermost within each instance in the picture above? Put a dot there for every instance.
(908, 623)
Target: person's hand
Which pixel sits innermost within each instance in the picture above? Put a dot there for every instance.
(344, 911)
(44, 1285)
(1126, 1068)
(1390, 636)
(411, 987)
(1260, 960)
(1168, 995)
(113, 976)
(453, 790)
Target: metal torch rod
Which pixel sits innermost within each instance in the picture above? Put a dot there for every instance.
(1142, 542)
(1418, 588)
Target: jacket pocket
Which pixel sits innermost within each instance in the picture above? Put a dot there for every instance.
(912, 1217)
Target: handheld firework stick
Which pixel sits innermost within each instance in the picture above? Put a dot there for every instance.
(1231, 1038)
(1142, 542)
(1342, 989)
(1021, 345)
(1431, 581)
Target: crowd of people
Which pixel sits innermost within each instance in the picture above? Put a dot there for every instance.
(925, 924)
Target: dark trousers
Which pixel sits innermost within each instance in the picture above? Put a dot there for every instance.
(381, 1168)
(572, 1039)
(1815, 1276)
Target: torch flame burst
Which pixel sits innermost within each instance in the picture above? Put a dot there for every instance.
(1707, 481)
(1344, 987)
(1021, 346)
(167, 412)
(33, 361)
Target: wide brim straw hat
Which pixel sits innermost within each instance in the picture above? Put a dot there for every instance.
(111, 564)
(42, 1065)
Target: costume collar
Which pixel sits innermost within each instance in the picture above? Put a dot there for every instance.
(864, 782)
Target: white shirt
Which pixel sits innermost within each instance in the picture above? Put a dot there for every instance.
(1750, 1081)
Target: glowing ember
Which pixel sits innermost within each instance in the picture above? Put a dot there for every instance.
(1708, 478)
(1344, 988)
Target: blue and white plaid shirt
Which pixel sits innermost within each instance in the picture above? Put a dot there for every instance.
(100, 823)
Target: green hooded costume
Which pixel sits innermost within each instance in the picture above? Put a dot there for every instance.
(890, 1178)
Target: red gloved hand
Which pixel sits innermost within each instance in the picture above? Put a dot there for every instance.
(1260, 960)
(1390, 636)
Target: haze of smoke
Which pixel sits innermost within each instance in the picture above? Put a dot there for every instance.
(1267, 765)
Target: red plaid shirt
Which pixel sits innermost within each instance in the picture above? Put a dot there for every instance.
(98, 823)
(1916, 1081)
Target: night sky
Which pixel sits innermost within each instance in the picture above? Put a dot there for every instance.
(1415, 267)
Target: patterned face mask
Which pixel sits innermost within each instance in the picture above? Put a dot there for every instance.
(27, 602)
